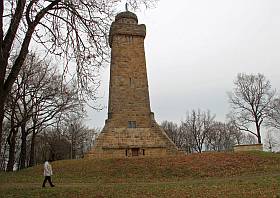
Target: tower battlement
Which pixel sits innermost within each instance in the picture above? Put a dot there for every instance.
(126, 24)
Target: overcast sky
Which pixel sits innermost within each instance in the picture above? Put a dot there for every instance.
(196, 48)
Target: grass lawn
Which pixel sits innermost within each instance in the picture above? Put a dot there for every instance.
(253, 174)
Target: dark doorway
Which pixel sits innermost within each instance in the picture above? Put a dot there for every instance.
(135, 151)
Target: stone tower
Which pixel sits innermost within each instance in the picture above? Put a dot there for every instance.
(130, 129)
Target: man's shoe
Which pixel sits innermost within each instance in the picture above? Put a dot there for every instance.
(53, 186)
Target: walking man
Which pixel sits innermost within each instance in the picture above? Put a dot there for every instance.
(48, 173)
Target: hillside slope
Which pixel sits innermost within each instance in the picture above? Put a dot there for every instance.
(253, 174)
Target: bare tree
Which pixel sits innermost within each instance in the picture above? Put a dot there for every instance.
(198, 124)
(172, 130)
(215, 137)
(75, 134)
(80, 137)
(235, 132)
(64, 142)
(250, 101)
(12, 138)
(51, 144)
(4, 155)
(249, 138)
(223, 136)
(271, 141)
(38, 97)
(67, 29)
(180, 135)
(186, 139)
(200, 132)
(274, 114)
(90, 138)
(219, 138)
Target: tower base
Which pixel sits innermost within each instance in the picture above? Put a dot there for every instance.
(133, 142)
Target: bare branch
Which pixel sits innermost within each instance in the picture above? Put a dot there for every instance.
(250, 101)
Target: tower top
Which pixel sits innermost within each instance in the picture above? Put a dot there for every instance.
(126, 23)
(126, 15)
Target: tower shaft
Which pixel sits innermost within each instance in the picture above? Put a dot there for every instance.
(129, 102)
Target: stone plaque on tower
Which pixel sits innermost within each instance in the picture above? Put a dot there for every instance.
(130, 129)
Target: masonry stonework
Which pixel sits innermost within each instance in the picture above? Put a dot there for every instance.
(130, 129)
(248, 147)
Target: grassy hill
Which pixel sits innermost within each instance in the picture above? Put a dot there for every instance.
(253, 174)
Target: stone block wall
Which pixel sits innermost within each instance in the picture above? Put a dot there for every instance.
(120, 143)
(248, 147)
(128, 91)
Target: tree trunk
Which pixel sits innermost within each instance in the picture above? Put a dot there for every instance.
(3, 162)
(2, 104)
(199, 149)
(22, 160)
(259, 134)
(12, 148)
(32, 150)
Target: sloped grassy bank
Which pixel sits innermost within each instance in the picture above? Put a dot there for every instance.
(208, 174)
